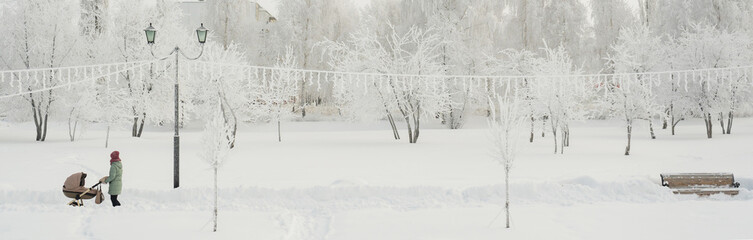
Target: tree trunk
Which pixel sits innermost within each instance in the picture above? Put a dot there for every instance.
(303, 101)
(672, 121)
(533, 122)
(141, 126)
(554, 136)
(38, 126)
(225, 111)
(135, 128)
(507, 197)
(651, 128)
(216, 196)
(664, 123)
(37, 118)
(629, 133)
(72, 129)
(543, 126)
(721, 123)
(417, 121)
(709, 125)
(107, 139)
(410, 129)
(279, 135)
(562, 142)
(44, 129)
(729, 122)
(395, 133)
(673, 125)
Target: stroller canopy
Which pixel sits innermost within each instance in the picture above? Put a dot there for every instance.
(75, 183)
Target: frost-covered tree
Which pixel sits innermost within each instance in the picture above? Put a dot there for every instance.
(362, 52)
(216, 141)
(505, 126)
(412, 61)
(632, 93)
(536, 23)
(671, 17)
(35, 40)
(231, 24)
(702, 47)
(609, 17)
(278, 89)
(93, 14)
(416, 53)
(511, 62)
(304, 24)
(112, 105)
(525, 24)
(556, 96)
(222, 78)
(148, 94)
(461, 48)
(565, 23)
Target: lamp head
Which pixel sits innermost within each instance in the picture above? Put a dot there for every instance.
(201, 33)
(150, 34)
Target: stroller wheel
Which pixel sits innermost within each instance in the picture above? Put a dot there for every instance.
(74, 203)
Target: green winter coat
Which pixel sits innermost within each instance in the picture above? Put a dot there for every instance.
(116, 178)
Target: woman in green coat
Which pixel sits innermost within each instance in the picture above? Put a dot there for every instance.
(115, 179)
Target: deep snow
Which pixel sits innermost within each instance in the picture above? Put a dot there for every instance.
(336, 180)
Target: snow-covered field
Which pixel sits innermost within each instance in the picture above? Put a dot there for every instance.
(336, 180)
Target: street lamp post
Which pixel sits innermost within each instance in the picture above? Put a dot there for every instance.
(201, 33)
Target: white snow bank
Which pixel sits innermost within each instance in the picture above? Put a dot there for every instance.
(326, 183)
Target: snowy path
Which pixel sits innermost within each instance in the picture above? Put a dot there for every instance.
(583, 190)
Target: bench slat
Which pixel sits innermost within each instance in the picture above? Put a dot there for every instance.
(706, 191)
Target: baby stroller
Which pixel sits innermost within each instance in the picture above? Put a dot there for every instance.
(74, 188)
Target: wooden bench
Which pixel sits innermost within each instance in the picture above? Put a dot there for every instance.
(702, 184)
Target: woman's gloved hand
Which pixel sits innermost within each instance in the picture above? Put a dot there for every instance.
(103, 179)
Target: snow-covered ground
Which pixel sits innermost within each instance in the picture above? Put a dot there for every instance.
(336, 180)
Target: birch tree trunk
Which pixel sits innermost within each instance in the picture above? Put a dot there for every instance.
(709, 125)
(417, 121)
(629, 133)
(44, 130)
(72, 129)
(554, 134)
(395, 133)
(507, 196)
(134, 128)
(225, 111)
(729, 122)
(543, 126)
(533, 122)
(216, 196)
(664, 123)
(141, 126)
(107, 139)
(674, 124)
